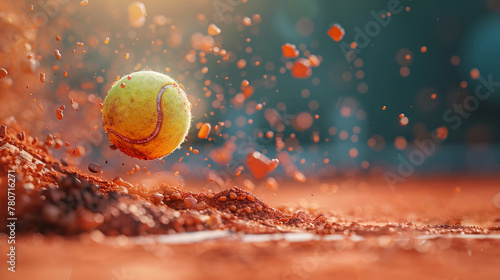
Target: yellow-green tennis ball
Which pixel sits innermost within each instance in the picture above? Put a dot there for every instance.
(146, 115)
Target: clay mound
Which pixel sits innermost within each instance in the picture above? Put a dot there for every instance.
(55, 197)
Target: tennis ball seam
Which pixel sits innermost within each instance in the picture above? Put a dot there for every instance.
(159, 120)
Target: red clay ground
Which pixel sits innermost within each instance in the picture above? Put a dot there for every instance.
(393, 253)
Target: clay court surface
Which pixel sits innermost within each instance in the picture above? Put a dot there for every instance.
(434, 228)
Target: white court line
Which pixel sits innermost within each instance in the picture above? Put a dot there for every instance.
(226, 235)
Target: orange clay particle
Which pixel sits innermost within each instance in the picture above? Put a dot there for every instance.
(59, 114)
(204, 131)
(314, 60)
(273, 164)
(259, 165)
(232, 195)
(213, 30)
(247, 91)
(256, 18)
(189, 202)
(336, 32)
(442, 132)
(57, 54)
(301, 69)
(299, 176)
(241, 63)
(137, 14)
(175, 196)
(474, 74)
(404, 121)
(289, 50)
(247, 21)
(272, 184)
(3, 73)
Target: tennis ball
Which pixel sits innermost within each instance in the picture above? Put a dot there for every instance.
(146, 115)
